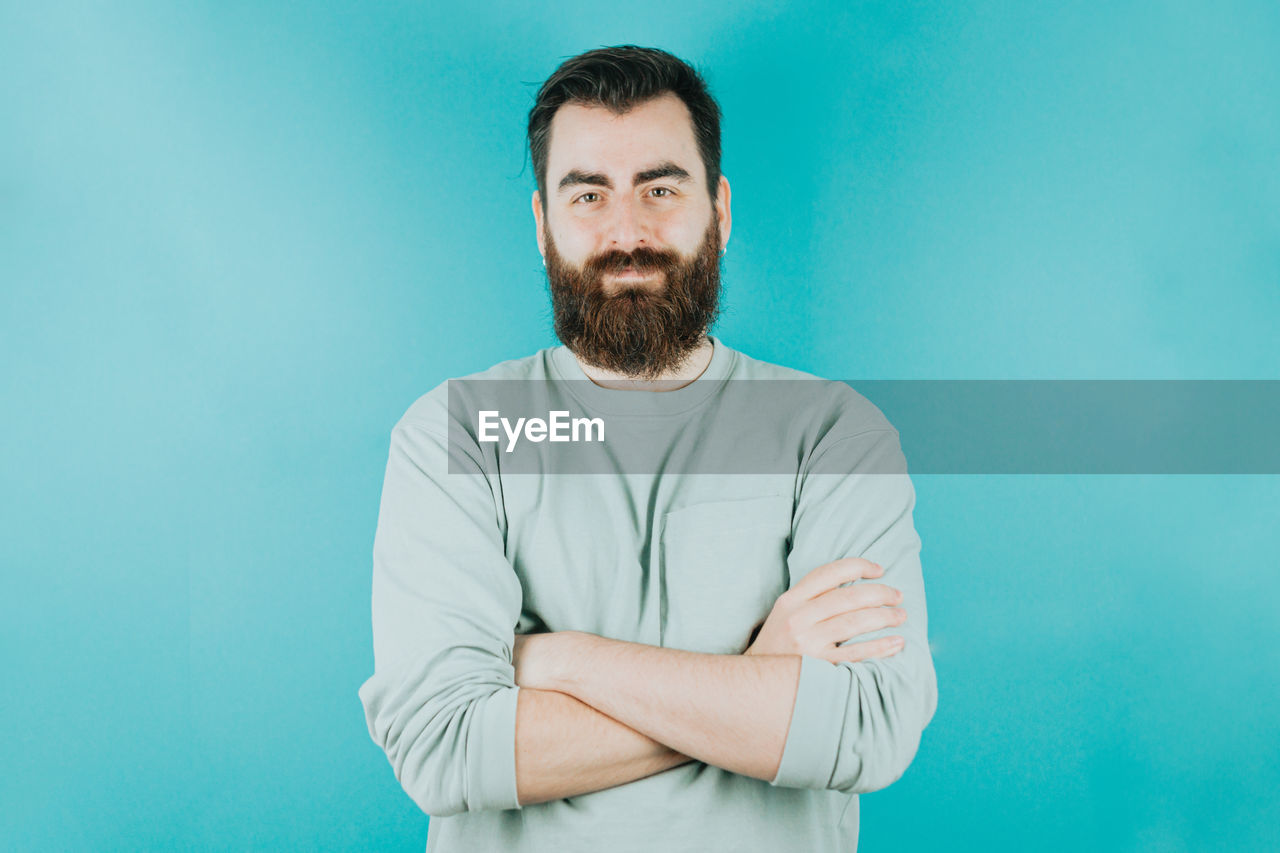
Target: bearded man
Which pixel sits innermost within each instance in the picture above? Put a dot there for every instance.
(715, 644)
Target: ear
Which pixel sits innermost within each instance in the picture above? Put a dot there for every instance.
(723, 214)
(538, 225)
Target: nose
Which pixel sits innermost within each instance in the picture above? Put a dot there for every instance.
(628, 226)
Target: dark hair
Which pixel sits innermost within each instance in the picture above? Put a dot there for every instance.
(620, 78)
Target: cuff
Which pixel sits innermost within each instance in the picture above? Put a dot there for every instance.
(491, 753)
(809, 756)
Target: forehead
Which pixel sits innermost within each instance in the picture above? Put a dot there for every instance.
(593, 138)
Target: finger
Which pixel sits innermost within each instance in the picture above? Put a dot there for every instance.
(879, 648)
(833, 574)
(845, 626)
(846, 598)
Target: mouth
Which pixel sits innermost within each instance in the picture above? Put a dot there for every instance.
(632, 274)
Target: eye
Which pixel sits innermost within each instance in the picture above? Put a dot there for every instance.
(582, 197)
(663, 190)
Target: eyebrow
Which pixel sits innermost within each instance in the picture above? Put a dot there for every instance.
(665, 169)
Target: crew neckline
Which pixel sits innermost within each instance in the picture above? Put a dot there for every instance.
(616, 401)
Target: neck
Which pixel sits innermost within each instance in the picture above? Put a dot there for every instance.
(687, 371)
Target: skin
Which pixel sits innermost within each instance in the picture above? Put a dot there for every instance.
(670, 212)
(595, 712)
(659, 707)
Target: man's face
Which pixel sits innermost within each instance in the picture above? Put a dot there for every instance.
(630, 237)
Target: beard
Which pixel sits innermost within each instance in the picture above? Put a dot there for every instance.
(639, 331)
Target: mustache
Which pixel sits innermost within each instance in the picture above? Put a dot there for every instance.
(641, 259)
(638, 332)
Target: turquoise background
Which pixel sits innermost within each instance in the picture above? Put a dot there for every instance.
(238, 239)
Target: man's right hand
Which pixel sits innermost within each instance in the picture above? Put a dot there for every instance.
(817, 614)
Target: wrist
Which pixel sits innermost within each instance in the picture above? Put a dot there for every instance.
(549, 660)
(565, 660)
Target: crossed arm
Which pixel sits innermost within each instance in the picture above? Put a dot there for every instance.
(629, 709)
(595, 712)
(464, 731)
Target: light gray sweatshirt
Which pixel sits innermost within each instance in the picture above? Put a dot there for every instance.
(686, 546)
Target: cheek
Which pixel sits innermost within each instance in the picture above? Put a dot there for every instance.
(578, 238)
(673, 229)
(572, 241)
(688, 228)
(687, 238)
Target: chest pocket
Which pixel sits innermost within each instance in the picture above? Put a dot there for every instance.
(724, 565)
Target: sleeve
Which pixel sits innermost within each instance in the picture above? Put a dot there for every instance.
(856, 726)
(442, 700)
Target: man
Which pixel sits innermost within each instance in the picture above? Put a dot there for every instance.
(565, 659)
